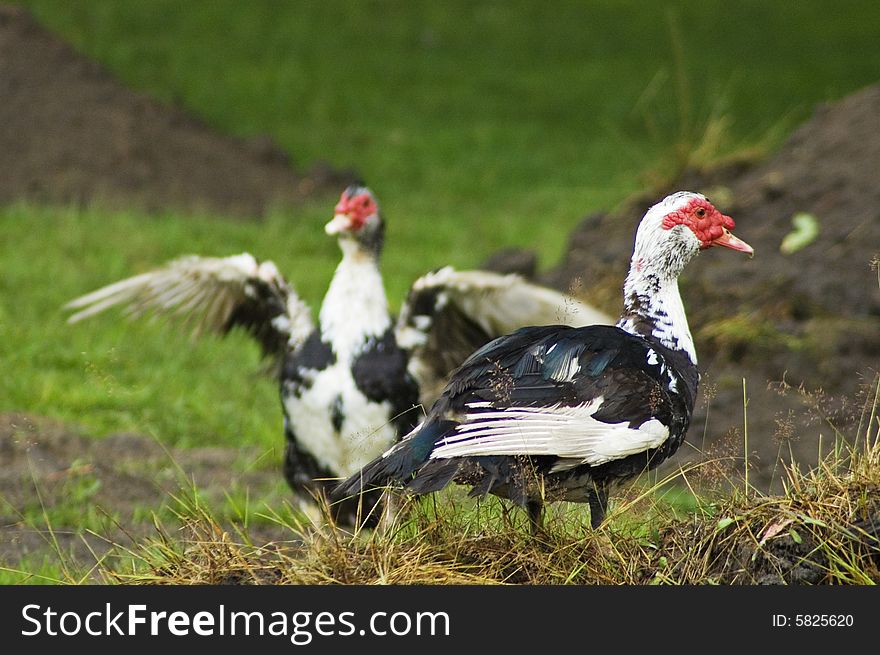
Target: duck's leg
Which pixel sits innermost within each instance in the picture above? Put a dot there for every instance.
(535, 509)
(598, 500)
(390, 509)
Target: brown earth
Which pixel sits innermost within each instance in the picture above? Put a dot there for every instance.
(100, 493)
(811, 317)
(73, 134)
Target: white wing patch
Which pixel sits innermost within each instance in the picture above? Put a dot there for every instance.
(204, 292)
(500, 304)
(567, 368)
(566, 432)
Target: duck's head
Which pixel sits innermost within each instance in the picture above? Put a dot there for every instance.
(678, 227)
(357, 218)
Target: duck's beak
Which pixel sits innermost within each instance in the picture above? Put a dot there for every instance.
(339, 224)
(729, 240)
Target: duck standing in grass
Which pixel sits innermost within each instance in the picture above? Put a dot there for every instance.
(555, 412)
(354, 383)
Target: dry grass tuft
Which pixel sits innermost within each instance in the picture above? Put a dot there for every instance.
(825, 529)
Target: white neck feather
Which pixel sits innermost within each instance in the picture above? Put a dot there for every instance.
(355, 307)
(653, 309)
(652, 303)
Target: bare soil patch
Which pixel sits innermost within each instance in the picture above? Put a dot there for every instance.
(102, 492)
(73, 134)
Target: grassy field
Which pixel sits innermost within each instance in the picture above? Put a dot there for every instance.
(470, 112)
(479, 125)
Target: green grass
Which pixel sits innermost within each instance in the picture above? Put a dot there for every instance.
(37, 571)
(479, 125)
(114, 375)
(510, 118)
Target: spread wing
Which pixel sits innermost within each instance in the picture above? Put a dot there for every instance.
(449, 314)
(211, 294)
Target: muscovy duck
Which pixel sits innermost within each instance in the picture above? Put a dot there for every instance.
(353, 384)
(561, 413)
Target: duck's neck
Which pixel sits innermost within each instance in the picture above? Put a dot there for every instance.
(652, 308)
(355, 308)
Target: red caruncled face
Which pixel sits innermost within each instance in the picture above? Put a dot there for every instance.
(707, 223)
(357, 207)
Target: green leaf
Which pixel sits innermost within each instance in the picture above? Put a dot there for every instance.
(805, 229)
(795, 536)
(809, 520)
(723, 523)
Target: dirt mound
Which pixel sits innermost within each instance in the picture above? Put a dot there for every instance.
(808, 316)
(73, 134)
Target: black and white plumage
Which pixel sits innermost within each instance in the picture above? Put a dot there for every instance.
(561, 413)
(354, 383)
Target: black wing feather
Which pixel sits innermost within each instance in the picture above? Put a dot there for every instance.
(528, 368)
(532, 368)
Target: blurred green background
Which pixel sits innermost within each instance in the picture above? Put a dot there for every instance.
(480, 125)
